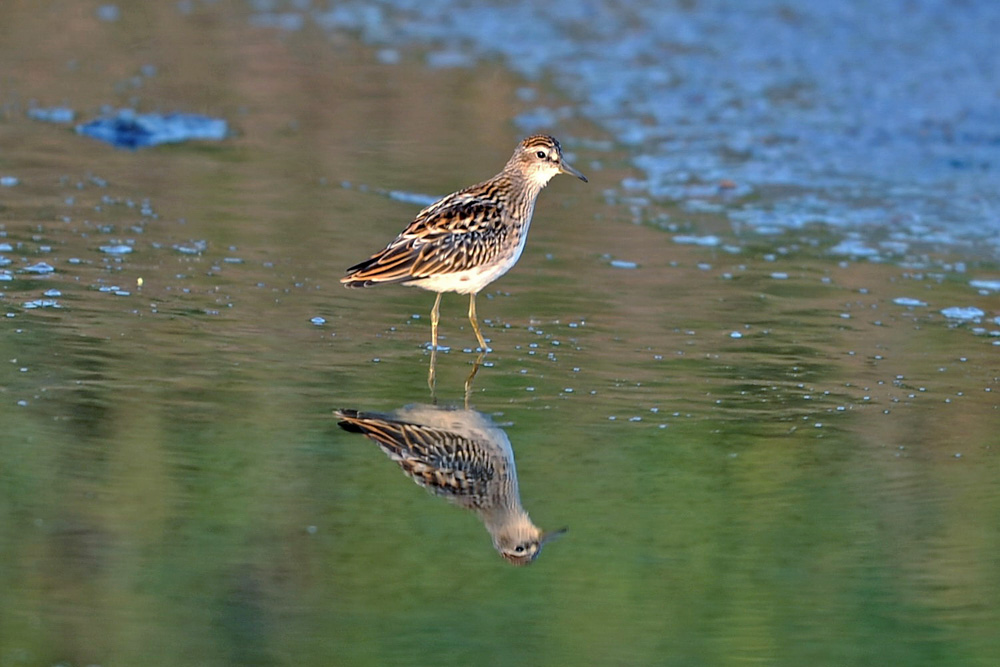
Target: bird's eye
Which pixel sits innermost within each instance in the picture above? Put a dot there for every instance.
(519, 548)
(541, 155)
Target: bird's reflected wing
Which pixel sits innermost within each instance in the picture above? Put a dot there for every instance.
(445, 462)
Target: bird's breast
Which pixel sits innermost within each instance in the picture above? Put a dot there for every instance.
(499, 262)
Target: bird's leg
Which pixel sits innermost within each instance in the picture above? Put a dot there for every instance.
(475, 323)
(472, 376)
(432, 375)
(435, 318)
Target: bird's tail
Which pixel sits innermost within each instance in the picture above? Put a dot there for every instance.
(375, 270)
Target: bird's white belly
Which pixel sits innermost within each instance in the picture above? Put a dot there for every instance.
(471, 281)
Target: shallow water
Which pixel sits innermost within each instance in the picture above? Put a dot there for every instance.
(773, 447)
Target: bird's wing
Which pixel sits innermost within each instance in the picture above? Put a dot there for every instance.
(445, 462)
(459, 232)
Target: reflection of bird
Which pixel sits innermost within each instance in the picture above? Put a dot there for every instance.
(461, 455)
(470, 238)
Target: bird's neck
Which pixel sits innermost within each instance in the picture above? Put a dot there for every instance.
(511, 520)
(524, 186)
(504, 506)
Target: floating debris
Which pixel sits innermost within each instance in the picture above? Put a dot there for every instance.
(707, 241)
(854, 248)
(964, 314)
(41, 303)
(116, 249)
(192, 248)
(907, 301)
(128, 129)
(9, 181)
(411, 197)
(990, 285)
(318, 321)
(41, 268)
(623, 264)
(52, 114)
(114, 289)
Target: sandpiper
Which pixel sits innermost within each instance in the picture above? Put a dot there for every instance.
(466, 240)
(462, 456)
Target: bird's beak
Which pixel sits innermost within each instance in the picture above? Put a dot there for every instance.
(567, 169)
(548, 537)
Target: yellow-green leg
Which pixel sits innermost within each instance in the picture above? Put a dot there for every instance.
(475, 323)
(432, 376)
(435, 318)
(472, 376)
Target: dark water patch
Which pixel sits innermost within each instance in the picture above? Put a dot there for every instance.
(130, 130)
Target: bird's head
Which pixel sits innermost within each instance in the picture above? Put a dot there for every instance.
(521, 545)
(538, 158)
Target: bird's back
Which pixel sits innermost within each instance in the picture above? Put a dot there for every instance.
(460, 243)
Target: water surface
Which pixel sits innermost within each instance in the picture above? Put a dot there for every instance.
(771, 448)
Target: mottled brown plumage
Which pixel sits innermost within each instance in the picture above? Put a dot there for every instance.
(470, 238)
(462, 456)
